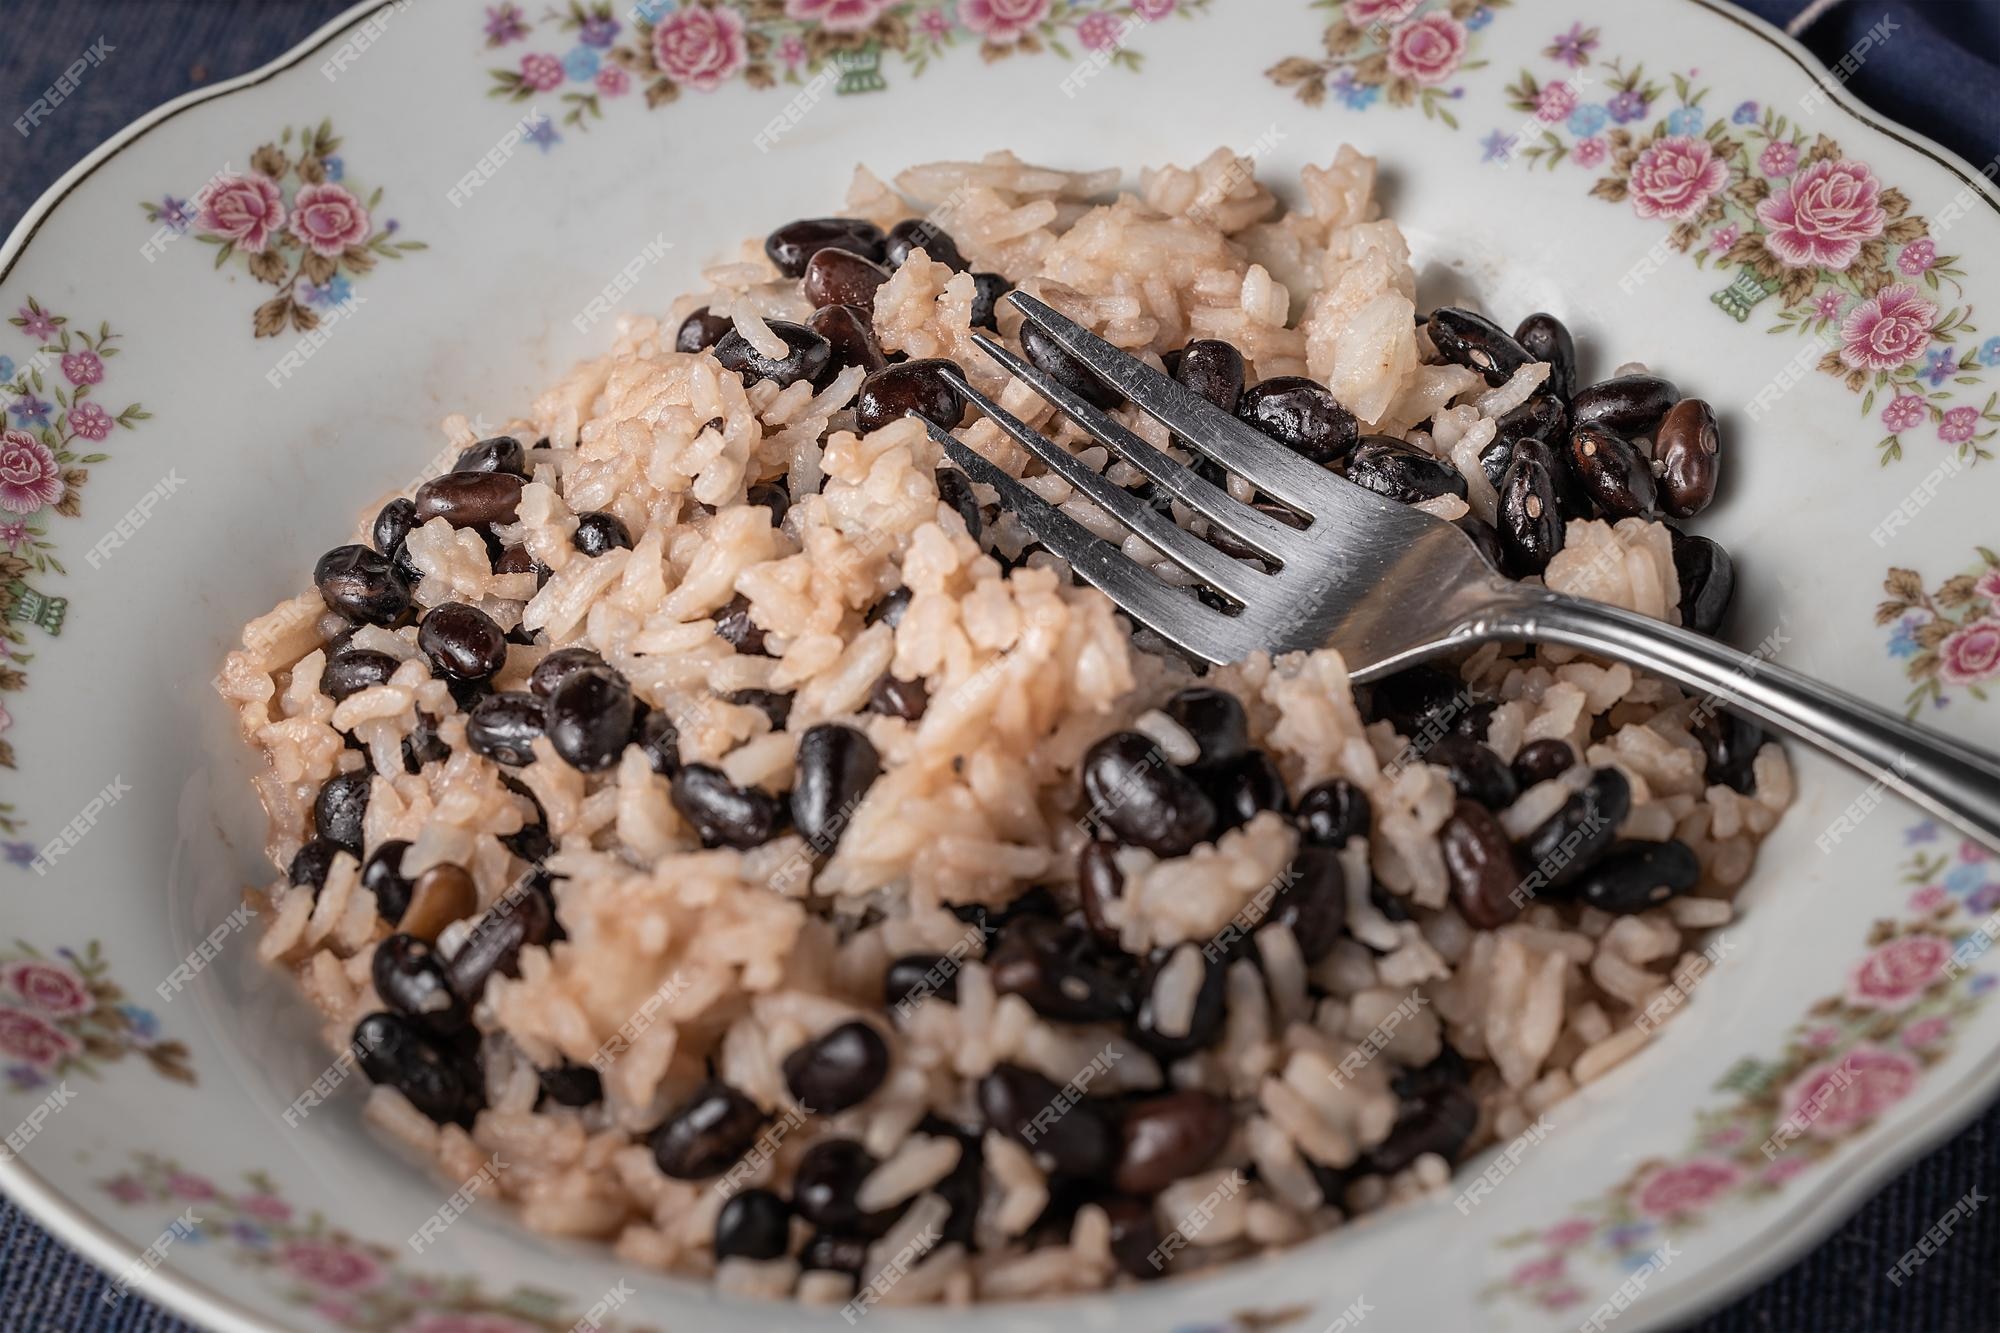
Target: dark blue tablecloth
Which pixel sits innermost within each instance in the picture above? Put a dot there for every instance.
(1940, 75)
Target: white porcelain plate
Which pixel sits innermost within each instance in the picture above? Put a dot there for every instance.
(190, 422)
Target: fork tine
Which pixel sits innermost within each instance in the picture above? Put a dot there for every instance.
(1171, 612)
(1185, 549)
(1262, 462)
(1213, 503)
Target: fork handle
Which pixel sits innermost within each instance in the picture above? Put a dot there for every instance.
(1951, 780)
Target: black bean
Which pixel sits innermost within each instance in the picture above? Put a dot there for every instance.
(1571, 840)
(724, 815)
(462, 641)
(1546, 338)
(806, 357)
(849, 338)
(922, 234)
(1635, 875)
(906, 699)
(1474, 341)
(1303, 415)
(1485, 876)
(599, 532)
(843, 1068)
(502, 453)
(503, 727)
(1496, 458)
(955, 489)
(1531, 521)
(1210, 1008)
(589, 718)
(753, 1224)
(340, 808)
(1440, 1121)
(701, 329)
(840, 277)
(470, 499)
(1543, 417)
(1730, 742)
(1612, 472)
(312, 861)
(707, 1133)
(1312, 901)
(836, 765)
(1333, 812)
(1136, 1238)
(1538, 761)
(909, 388)
(382, 875)
(826, 1182)
(1049, 965)
(830, 1252)
(559, 666)
(1213, 369)
(1685, 452)
(1485, 539)
(1402, 471)
(889, 611)
(1170, 1137)
(422, 745)
(1049, 357)
(515, 559)
(657, 736)
(792, 246)
(355, 670)
(1216, 721)
(362, 585)
(392, 1050)
(1099, 882)
(737, 629)
(1143, 799)
(987, 289)
(777, 707)
(1422, 701)
(963, 1187)
(393, 524)
(1707, 578)
(1240, 790)
(916, 976)
(1625, 404)
(410, 978)
(1572, 501)
(1476, 772)
(773, 496)
(571, 1085)
(1078, 1143)
(525, 916)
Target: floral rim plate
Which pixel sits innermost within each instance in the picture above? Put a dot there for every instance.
(425, 209)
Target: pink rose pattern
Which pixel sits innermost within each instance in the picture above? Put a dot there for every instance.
(244, 210)
(1897, 973)
(1368, 13)
(64, 1013)
(34, 1040)
(1002, 21)
(1835, 1098)
(1686, 1187)
(30, 477)
(327, 219)
(699, 47)
(1970, 656)
(1890, 329)
(47, 988)
(1823, 216)
(1426, 50)
(1676, 178)
(838, 15)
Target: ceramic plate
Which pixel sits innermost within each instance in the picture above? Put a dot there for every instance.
(189, 422)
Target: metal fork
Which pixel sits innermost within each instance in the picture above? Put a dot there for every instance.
(1385, 584)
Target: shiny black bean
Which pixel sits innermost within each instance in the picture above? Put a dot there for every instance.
(394, 1051)
(410, 978)
(1685, 452)
(906, 699)
(1303, 415)
(737, 629)
(1571, 840)
(1439, 1121)
(1612, 472)
(955, 489)
(724, 815)
(657, 737)
(909, 388)
(571, 1085)
(470, 499)
(806, 356)
(1169, 1137)
(382, 875)
(889, 611)
(836, 766)
(843, 1068)
(340, 808)
(922, 234)
(462, 642)
(1495, 459)
(1707, 579)
(503, 727)
(1142, 799)
(1634, 876)
(1213, 369)
(1422, 702)
(1333, 812)
(1531, 521)
(1484, 873)
(1542, 417)
(1210, 1008)
(1476, 342)
(831, 1252)
(1136, 1238)
(1099, 882)
(826, 1182)
(849, 338)
(1312, 901)
(1730, 742)
(1572, 501)
(701, 329)
(559, 666)
(516, 560)
(1476, 772)
(312, 861)
(599, 532)
(987, 289)
(792, 246)
(1625, 404)
(501, 453)
(1050, 965)
(1079, 1143)
(1402, 471)
(589, 718)
(916, 977)
(753, 1223)
(422, 745)
(525, 916)
(707, 1133)
(362, 585)
(1538, 761)
(1546, 338)
(355, 670)
(841, 277)
(1240, 790)
(393, 524)
(1216, 721)
(1072, 374)
(1485, 539)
